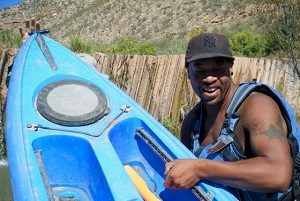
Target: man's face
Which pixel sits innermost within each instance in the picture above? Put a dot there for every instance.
(210, 79)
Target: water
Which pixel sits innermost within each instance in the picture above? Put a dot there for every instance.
(5, 190)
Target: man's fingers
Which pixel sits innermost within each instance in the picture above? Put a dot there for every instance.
(21, 32)
(32, 25)
(37, 26)
(32, 22)
(27, 23)
(168, 167)
(168, 182)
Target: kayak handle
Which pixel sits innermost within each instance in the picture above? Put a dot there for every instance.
(42, 31)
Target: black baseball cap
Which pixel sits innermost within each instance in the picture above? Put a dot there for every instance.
(208, 45)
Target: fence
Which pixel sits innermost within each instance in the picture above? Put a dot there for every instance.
(160, 84)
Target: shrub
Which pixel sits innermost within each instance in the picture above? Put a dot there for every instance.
(79, 46)
(246, 43)
(171, 126)
(128, 45)
(8, 39)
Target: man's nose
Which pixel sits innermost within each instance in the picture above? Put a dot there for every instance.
(210, 77)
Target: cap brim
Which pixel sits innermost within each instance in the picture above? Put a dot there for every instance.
(208, 55)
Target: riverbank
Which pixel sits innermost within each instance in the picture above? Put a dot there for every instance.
(5, 189)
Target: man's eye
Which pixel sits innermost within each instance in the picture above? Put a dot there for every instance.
(220, 70)
(199, 72)
(220, 62)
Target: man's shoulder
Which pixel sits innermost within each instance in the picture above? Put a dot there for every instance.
(258, 99)
(256, 95)
(259, 108)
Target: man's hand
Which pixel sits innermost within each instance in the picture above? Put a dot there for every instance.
(182, 173)
(30, 26)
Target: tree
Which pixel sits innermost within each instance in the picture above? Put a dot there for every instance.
(280, 20)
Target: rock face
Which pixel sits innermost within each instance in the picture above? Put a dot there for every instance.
(104, 21)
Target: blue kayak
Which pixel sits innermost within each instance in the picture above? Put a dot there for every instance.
(70, 132)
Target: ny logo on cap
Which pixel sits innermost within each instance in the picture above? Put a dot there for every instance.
(209, 41)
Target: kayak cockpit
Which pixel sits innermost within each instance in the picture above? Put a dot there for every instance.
(70, 169)
(138, 146)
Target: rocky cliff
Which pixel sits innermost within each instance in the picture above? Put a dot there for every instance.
(103, 21)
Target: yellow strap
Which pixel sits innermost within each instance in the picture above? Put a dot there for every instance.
(140, 185)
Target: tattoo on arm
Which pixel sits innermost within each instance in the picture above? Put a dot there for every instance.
(273, 131)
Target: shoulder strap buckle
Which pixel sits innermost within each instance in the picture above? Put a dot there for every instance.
(220, 144)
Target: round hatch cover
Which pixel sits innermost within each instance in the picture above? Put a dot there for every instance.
(72, 103)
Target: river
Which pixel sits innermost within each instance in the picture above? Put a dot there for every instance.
(5, 190)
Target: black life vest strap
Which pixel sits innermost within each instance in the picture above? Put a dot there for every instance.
(241, 93)
(188, 126)
(239, 96)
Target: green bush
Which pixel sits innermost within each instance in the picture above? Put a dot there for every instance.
(128, 45)
(171, 126)
(247, 43)
(125, 45)
(8, 39)
(243, 43)
(79, 46)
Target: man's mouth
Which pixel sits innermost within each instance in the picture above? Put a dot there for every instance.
(210, 93)
(209, 89)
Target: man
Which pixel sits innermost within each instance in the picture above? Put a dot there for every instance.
(263, 166)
